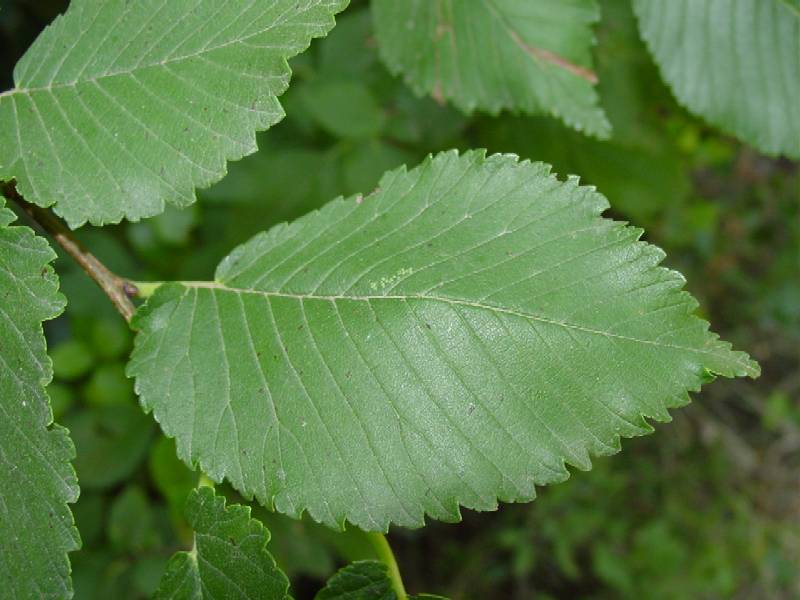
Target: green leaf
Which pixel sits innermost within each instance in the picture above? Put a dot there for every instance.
(131, 524)
(451, 339)
(120, 106)
(111, 440)
(229, 559)
(36, 478)
(362, 580)
(736, 63)
(532, 56)
(344, 108)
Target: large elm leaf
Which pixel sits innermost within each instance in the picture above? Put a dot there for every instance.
(229, 559)
(736, 63)
(451, 339)
(531, 56)
(119, 106)
(36, 478)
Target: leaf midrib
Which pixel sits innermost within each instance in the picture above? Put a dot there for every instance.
(216, 285)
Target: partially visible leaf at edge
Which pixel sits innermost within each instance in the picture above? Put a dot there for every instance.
(531, 56)
(120, 106)
(36, 479)
(229, 558)
(451, 339)
(736, 63)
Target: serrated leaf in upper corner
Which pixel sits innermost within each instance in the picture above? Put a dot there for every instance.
(122, 106)
(736, 63)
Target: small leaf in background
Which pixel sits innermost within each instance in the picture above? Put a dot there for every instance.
(71, 360)
(131, 525)
(344, 108)
(111, 441)
(363, 165)
(105, 127)
(733, 62)
(110, 337)
(37, 480)
(453, 339)
(62, 397)
(90, 517)
(531, 56)
(229, 558)
(174, 226)
(170, 476)
(109, 385)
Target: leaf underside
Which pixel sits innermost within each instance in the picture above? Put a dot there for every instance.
(36, 478)
(451, 339)
(229, 559)
(734, 62)
(531, 56)
(120, 106)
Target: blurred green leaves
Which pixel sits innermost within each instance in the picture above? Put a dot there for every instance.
(111, 441)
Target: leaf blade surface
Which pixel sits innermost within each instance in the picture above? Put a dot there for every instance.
(36, 479)
(734, 63)
(532, 56)
(119, 107)
(452, 339)
(229, 558)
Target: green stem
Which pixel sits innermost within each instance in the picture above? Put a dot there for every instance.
(145, 289)
(205, 481)
(381, 546)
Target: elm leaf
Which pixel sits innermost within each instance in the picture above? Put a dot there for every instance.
(531, 56)
(120, 106)
(735, 63)
(36, 479)
(229, 559)
(452, 339)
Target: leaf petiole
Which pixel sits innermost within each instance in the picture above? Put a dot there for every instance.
(384, 553)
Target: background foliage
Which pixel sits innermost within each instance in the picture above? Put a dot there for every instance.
(706, 509)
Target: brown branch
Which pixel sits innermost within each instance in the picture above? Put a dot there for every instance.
(119, 290)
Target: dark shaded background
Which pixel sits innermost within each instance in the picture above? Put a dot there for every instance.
(709, 507)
